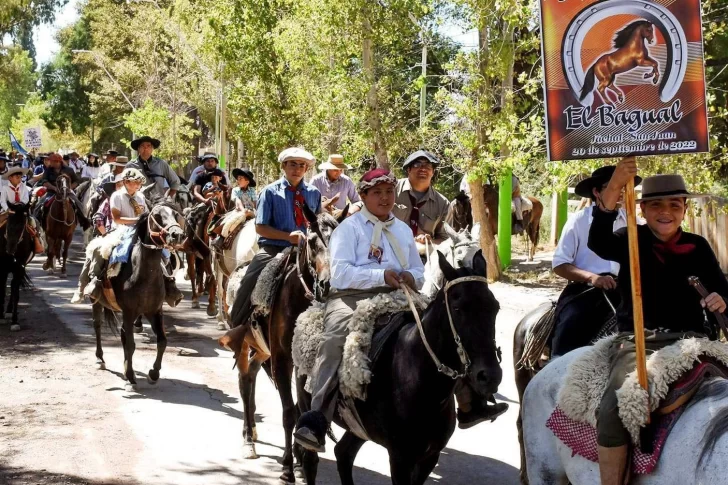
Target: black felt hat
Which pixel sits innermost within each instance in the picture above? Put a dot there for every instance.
(245, 173)
(598, 178)
(135, 143)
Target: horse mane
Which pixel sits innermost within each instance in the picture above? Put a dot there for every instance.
(141, 228)
(623, 36)
(718, 425)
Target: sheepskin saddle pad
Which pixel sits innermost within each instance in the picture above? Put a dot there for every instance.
(674, 373)
(270, 279)
(385, 312)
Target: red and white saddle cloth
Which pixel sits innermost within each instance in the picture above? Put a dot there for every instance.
(581, 437)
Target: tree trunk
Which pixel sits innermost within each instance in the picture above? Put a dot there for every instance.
(375, 124)
(477, 197)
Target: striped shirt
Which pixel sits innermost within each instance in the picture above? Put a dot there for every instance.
(275, 209)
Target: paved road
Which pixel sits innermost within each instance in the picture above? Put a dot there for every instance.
(62, 421)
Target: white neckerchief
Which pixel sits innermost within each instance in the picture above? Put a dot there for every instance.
(380, 226)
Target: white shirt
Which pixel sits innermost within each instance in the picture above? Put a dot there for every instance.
(120, 200)
(7, 195)
(572, 247)
(77, 166)
(351, 264)
(90, 172)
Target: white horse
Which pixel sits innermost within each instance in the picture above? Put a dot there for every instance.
(458, 249)
(695, 451)
(86, 208)
(242, 251)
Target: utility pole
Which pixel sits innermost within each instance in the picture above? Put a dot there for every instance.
(223, 121)
(423, 89)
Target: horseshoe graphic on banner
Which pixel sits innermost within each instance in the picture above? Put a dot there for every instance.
(658, 15)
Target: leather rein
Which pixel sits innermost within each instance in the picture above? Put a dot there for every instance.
(160, 235)
(462, 353)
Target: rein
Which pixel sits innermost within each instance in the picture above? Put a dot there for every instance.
(462, 353)
(161, 235)
(300, 258)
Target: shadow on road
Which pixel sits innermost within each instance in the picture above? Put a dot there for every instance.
(23, 476)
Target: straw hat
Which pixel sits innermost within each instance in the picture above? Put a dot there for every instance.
(298, 154)
(13, 171)
(133, 175)
(335, 162)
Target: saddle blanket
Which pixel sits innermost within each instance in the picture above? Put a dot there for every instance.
(231, 221)
(526, 205)
(581, 437)
(122, 244)
(48, 201)
(355, 372)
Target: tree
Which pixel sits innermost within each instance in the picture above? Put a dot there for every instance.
(16, 13)
(16, 81)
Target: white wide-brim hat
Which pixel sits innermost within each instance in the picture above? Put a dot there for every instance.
(298, 154)
(13, 171)
(335, 162)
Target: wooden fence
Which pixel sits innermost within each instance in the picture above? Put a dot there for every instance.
(710, 220)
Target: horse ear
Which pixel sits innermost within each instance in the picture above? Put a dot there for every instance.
(310, 216)
(343, 214)
(480, 266)
(446, 268)
(451, 233)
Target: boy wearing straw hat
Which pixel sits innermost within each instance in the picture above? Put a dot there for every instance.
(16, 193)
(335, 187)
(672, 308)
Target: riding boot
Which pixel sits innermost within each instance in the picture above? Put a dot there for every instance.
(82, 219)
(311, 431)
(613, 464)
(518, 227)
(473, 409)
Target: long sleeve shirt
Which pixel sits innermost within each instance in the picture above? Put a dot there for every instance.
(354, 267)
(343, 186)
(573, 248)
(7, 195)
(669, 302)
(433, 211)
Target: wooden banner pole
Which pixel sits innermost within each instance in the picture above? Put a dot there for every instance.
(636, 279)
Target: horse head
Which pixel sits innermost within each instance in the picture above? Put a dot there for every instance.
(162, 226)
(63, 186)
(471, 310)
(647, 32)
(321, 227)
(15, 227)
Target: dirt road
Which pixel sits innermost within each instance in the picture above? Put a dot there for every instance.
(62, 421)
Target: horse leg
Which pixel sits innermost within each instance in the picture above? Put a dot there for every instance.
(66, 247)
(3, 283)
(157, 320)
(211, 287)
(247, 375)
(192, 273)
(401, 468)
(48, 265)
(57, 245)
(654, 73)
(282, 377)
(14, 299)
(127, 341)
(98, 311)
(424, 468)
(345, 451)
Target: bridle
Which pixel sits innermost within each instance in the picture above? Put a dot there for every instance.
(303, 258)
(63, 191)
(462, 353)
(160, 235)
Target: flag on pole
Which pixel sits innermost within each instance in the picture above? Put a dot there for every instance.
(15, 144)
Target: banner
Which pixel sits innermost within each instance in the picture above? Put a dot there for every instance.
(31, 137)
(623, 77)
(15, 144)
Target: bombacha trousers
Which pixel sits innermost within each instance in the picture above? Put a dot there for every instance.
(339, 308)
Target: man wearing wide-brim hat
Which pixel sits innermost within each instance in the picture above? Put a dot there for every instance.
(157, 171)
(109, 157)
(280, 222)
(75, 162)
(581, 311)
(208, 163)
(337, 189)
(672, 309)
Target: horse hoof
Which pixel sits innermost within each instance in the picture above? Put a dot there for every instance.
(15, 327)
(195, 304)
(100, 364)
(249, 452)
(130, 387)
(222, 326)
(211, 311)
(138, 329)
(63, 275)
(287, 479)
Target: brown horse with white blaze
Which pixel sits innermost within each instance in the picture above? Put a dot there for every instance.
(60, 223)
(631, 52)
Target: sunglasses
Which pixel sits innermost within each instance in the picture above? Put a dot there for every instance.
(426, 165)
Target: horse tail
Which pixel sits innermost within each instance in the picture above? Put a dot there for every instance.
(111, 321)
(588, 83)
(22, 275)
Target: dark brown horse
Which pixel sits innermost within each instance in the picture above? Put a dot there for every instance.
(531, 218)
(60, 223)
(631, 52)
(309, 277)
(16, 251)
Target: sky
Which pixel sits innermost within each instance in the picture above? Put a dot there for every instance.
(44, 38)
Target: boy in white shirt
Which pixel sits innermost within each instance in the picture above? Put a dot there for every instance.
(14, 192)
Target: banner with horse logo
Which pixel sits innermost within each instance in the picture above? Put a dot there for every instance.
(623, 77)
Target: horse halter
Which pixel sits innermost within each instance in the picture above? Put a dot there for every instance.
(462, 353)
(161, 235)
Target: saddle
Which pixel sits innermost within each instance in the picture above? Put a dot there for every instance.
(675, 374)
